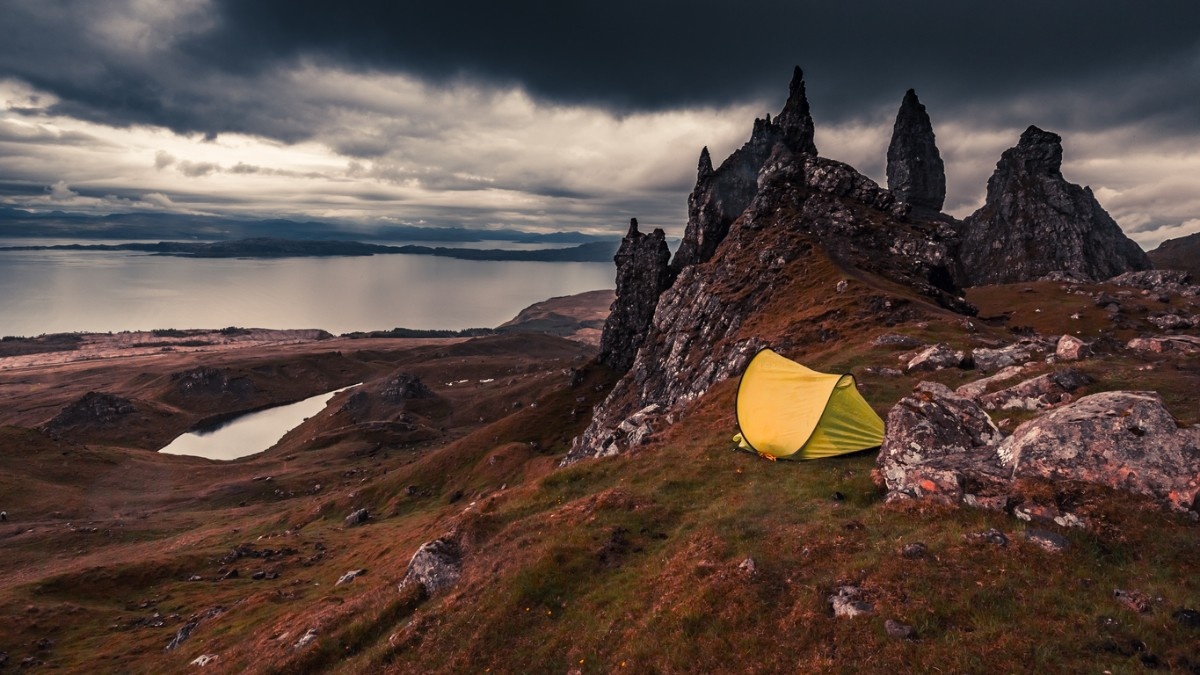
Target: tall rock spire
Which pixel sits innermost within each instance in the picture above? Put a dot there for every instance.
(1034, 222)
(795, 120)
(705, 168)
(641, 277)
(915, 172)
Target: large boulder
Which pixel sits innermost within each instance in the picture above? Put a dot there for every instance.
(436, 566)
(937, 445)
(1123, 439)
(1034, 222)
(1042, 391)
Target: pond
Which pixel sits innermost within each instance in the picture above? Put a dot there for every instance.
(251, 433)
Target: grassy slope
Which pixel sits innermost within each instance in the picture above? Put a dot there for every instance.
(630, 563)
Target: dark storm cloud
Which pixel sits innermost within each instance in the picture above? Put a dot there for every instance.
(1142, 60)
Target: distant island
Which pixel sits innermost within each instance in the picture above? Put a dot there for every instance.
(267, 247)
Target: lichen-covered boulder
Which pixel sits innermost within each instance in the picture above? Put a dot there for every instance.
(937, 445)
(1070, 348)
(1124, 439)
(1042, 391)
(936, 357)
(435, 566)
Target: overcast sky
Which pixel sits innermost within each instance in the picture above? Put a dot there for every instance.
(571, 115)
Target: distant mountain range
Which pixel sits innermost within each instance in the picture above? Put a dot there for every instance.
(270, 247)
(172, 226)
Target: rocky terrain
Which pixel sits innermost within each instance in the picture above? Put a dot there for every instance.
(1178, 254)
(527, 503)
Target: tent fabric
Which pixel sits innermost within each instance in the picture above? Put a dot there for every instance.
(787, 411)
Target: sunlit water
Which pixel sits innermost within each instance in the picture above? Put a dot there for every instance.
(69, 291)
(249, 434)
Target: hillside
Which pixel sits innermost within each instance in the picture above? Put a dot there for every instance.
(522, 503)
(1179, 254)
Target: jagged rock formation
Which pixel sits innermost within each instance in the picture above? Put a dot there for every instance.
(721, 195)
(1182, 253)
(642, 275)
(915, 172)
(1034, 222)
(807, 219)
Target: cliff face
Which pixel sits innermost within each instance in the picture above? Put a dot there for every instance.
(915, 172)
(1035, 222)
(721, 195)
(641, 277)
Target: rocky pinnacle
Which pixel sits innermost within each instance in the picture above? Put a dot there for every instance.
(1035, 222)
(642, 276)
(915, 172)
(795, 120)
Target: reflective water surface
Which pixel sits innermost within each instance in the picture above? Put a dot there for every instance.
(249, 434)
(66, 291)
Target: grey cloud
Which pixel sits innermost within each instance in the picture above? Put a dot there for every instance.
(197, 169)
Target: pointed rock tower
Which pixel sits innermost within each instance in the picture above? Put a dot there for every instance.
(915, 172)
(641, 277)
(1035, 222)
(721, 195)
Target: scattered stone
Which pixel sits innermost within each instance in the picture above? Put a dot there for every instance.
(898, 630)
(914, 551)
(1170, 322)
(992, 360)
(936, 357)
(1034, 222)
(1050, 542)
(358, 517)
(204, 659)
(748, 567)
(992, 536)
(1071, 348)
(185, 632)
(973, 390)
(436, 566)
(915, 172)
(1183, 344)
(1187, 617)
(231, 574)
(841, 286)
(848, 602)
(259, 575)
(897, 340)
(1133, 600)
(350, 576)
(306, 639)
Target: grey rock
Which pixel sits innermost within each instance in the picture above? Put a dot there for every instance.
(933, 439)
(915, 172)
(358, 517)
(936, 357)
(1134, 600)
(1124, 439)
(974, 389)
(1173, 282)
(182, 635)
(309, 637)
(896, 340)
(992, 360)
(204, 659)
(914, 551)
(1071, 348)
(848, 602)
(1034, 222)
(642, 276)
(1037, 393)
(1051, 542)
(436, 566)
(1170, 321)
(748, 566)
(1182, 344)
(991, 537)
(898, 630)
(350, 576)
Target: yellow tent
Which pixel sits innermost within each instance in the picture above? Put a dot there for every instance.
(787, 411)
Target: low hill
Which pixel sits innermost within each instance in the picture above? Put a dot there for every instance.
(1179, 254)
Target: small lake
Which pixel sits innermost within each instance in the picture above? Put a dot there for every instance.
(251, 433)
(102, 291)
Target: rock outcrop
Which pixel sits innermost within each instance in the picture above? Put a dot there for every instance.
(402, 387)
(915, 172)
(93, 409)
(1035, 222)
(642, 275)
(943, 447)
(721, 195)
